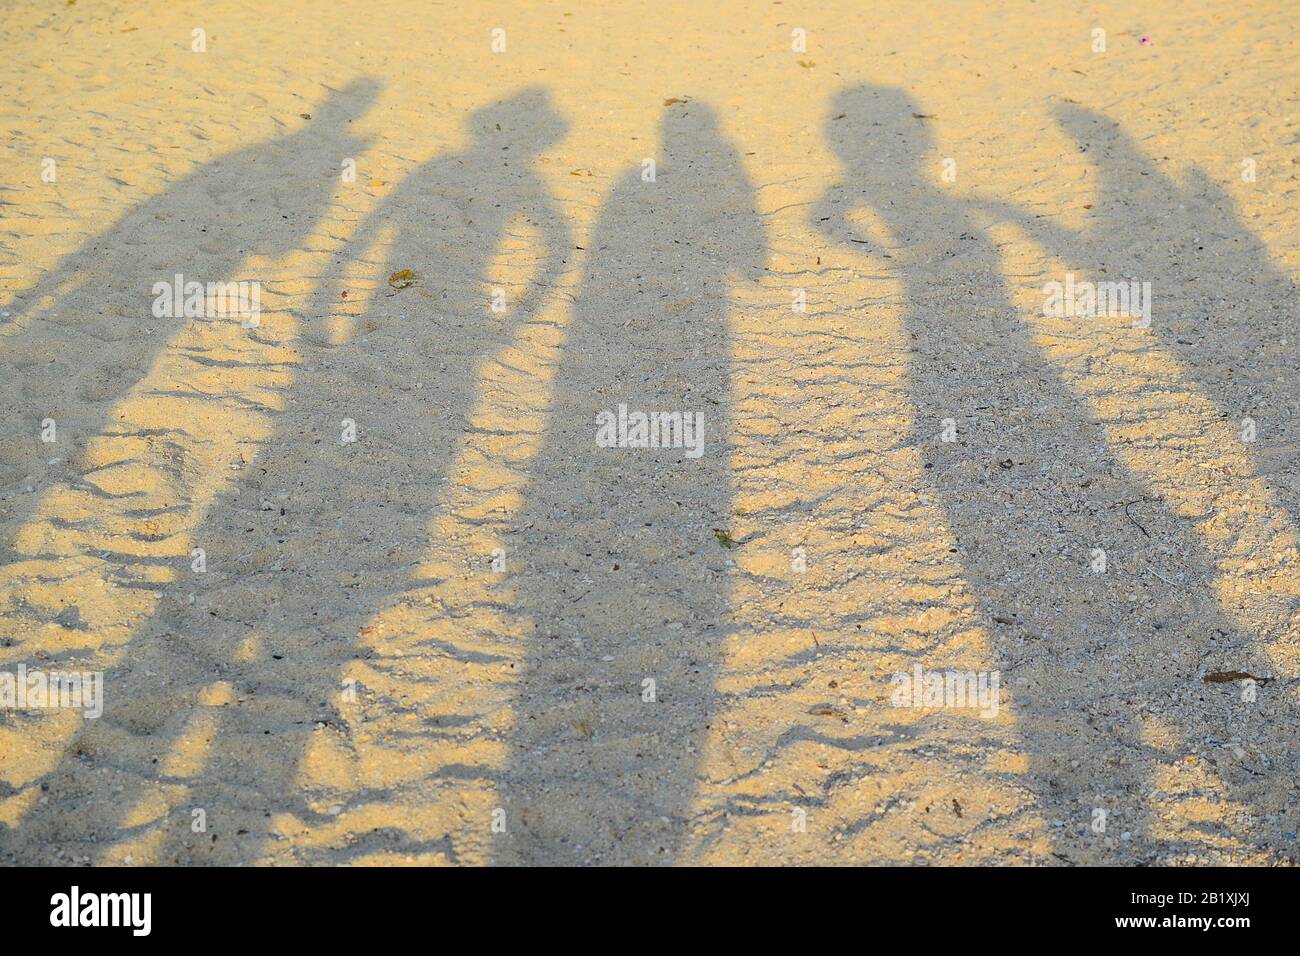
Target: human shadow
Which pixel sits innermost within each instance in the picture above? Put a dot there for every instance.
(1222, 307)
(84, 334)
(1094, 662)
(322, 532)
(624, 548)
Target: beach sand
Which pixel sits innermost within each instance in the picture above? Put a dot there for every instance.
(363, 586)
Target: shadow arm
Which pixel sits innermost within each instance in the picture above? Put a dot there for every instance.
(328, 296)
(827, 217)
(557, 243)
(1043, 229)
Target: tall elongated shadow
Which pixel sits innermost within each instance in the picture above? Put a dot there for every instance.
(1103, 671)
(216, 703)
(82, 553)
(1221, 306)
(624, 547)
(83, 335)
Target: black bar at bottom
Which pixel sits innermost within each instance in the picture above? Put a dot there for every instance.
(337, 906)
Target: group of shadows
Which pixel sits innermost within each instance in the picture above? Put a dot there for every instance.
(633, 339)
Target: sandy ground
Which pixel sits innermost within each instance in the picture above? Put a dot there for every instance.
(472, 636)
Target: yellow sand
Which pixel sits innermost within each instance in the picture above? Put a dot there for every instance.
(352, 680)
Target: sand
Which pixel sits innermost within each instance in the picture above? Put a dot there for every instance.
(365, 589)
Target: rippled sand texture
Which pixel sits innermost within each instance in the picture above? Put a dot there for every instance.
(472, 635)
